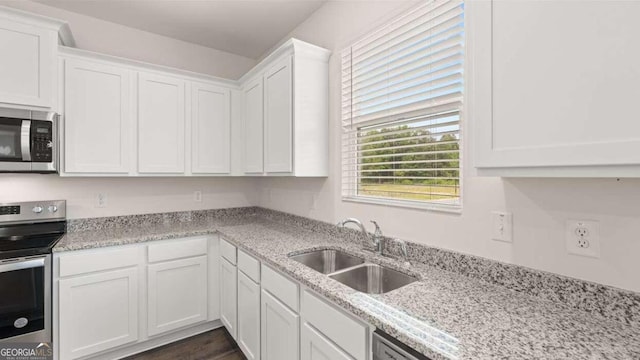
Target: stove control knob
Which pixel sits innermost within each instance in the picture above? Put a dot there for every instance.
(53, 208)
(37, 209)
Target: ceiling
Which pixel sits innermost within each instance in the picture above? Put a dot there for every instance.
(243, 27)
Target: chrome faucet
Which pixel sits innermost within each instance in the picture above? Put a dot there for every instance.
(377, 238)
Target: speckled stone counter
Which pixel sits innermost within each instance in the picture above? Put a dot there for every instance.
(448, 314)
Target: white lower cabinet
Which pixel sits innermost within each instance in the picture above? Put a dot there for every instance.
(98, 312)
(228, 296)
(107, 306)
(341, 329)
(314, 346)
(248, 316)
(177, 294)
(280, 329)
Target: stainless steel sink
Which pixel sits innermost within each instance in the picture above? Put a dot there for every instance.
(373, 279)
(327, 261)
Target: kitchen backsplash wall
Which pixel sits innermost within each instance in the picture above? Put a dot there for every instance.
(540, 207)
(129, 196)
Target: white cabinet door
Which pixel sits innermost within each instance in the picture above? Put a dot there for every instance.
(228, 296)
(97, 312)
(98, 120)
(177, 294)
(213, 282)
(248, 317)
(253, 127)
(27, 64)
(161, 122)
(278, 108)
(553, 89)
(210, 129)
(314, 346)
(280, 330)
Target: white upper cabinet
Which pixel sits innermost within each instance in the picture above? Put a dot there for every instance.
(553, 97)
(290, 111)
(98, 128)
(161, 124)
(278, 117)
(210, 129)
(127, 118)
(253, 126)
(28, 61)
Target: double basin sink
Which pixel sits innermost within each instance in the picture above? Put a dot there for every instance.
(353, 271)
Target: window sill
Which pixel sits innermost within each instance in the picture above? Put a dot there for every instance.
(451, 209)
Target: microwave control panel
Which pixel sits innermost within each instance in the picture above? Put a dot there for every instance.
(41, 141)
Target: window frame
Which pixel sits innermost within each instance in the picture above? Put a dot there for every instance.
(350, 195)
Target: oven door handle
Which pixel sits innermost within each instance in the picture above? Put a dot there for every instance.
(22, 265)
(25, 140)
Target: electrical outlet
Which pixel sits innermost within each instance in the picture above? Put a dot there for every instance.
(583, 238)
(197, 196)
(502, 226)
(101, 200)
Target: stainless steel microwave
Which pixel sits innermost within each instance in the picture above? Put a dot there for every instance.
(28, 141)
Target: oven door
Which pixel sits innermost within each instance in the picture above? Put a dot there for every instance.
(15, 151)
(25, 300)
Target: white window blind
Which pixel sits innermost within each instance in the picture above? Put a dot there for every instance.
(402, 89)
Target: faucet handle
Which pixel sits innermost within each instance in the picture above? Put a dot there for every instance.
(377, 232)
(403, 250)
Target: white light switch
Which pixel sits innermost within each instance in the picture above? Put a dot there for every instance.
(502, 226)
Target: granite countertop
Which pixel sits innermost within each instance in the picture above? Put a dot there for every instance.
(445, 315)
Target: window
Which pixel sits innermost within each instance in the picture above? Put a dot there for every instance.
(402, 92)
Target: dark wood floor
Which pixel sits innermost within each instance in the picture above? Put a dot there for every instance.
(212, 345)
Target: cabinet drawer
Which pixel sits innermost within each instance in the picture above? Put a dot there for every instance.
(176, 249)
(228, 251)
(348, 333)
(249, 266)
(82, 262)
(281, 287)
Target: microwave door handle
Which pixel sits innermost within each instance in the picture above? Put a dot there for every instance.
(25, 140)
(21, 265)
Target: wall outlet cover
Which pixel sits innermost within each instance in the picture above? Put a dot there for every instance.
(583, 237)
(502, 226)
(101, 200)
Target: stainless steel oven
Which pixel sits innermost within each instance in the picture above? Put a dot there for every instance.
(28, 141)
(25, 303)
(28, 232)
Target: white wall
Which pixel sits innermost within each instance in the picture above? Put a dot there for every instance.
(540, 206)
(114, 39)
(139, 195)
(128, 196)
